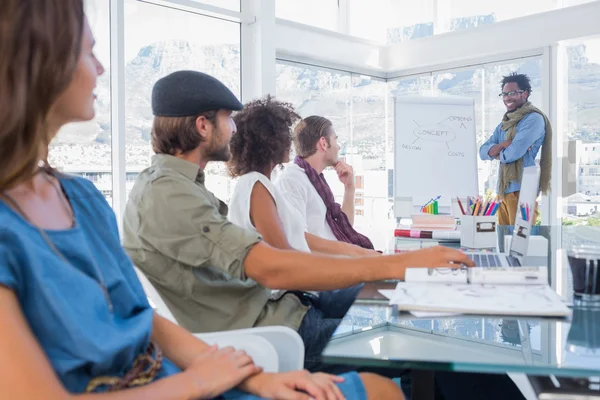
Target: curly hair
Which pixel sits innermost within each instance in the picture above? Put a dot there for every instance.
(521, 80)
(263, 135)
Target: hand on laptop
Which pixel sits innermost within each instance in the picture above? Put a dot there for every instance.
(438, 257)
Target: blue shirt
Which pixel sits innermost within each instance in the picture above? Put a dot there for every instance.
(64, 304)
(526, 144)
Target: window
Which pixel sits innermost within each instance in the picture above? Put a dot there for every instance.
(356, 105)
(581, 220)
(362, 110)
(368, 156)
(84, 148)
(412, 86)
(368, 121)
(495, 109)
(567, 3)
(160, 40)
(409, 86)
(233, 5)
(321, 92)
(367, 19)
(482, 83)
(389, 21)
(359, 182)
(466, 14)
(394, 21)
(318, 13)
(409, 20)
(466, 83)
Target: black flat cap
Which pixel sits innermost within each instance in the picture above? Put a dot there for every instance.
(189, 93)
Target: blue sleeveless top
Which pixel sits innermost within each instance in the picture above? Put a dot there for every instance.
(64, 304)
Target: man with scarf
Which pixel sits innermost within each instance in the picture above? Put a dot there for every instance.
(516, 143)
(304, 185)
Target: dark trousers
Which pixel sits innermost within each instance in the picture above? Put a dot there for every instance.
(325, 315)
(322, 319)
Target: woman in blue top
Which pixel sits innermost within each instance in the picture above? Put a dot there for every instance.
(75, 318)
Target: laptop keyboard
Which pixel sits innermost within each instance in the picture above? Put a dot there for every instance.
(485, 260)
(493, 260)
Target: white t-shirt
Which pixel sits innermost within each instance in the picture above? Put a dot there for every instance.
(295, 187)
(239, 209)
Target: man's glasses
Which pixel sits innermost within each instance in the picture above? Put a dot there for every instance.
(512, 93)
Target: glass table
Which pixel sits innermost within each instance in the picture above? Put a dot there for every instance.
(374, 334)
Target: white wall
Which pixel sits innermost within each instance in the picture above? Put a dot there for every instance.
(500, 39)
(302, 43)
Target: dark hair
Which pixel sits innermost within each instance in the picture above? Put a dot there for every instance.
(40, 45)
(263, 135)
(521, 80)
(308, 132)
(171, 135)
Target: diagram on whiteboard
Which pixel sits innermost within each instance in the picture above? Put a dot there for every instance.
(435, 149)
(440, 132)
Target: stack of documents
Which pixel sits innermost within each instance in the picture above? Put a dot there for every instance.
(520, 291)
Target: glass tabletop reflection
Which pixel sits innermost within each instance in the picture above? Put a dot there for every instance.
(375, 334)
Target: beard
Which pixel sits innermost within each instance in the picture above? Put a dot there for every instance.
(219, 154)
(217, 150)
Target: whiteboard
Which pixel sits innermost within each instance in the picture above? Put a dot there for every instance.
(435, 151)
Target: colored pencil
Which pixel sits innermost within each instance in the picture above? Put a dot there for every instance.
(462, 210)
(490, 208)
(477, 205)
(485, 207)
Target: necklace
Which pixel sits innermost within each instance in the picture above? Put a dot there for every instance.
(100, 277)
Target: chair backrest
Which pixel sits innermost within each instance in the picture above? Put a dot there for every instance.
(155, 300)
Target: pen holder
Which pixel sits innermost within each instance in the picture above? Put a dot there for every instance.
(478, 232)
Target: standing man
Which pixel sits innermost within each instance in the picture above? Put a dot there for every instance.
(304, 185)
(516, 143)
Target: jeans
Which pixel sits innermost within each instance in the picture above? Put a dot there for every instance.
(320, 322)
(352, 389)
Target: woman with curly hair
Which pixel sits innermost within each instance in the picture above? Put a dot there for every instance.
(263, 141)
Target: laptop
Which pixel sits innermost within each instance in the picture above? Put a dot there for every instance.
(522, 230)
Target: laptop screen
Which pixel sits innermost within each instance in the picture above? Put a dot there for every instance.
(526, 211)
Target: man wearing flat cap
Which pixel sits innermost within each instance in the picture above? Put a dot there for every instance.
(214, 275)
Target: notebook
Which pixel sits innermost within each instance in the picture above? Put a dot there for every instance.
(481, 291)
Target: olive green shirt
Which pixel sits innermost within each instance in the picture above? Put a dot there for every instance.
(176, 232)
